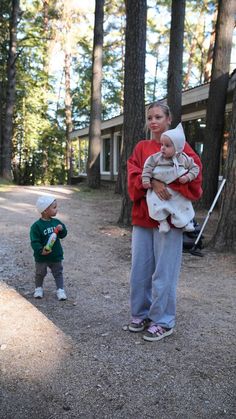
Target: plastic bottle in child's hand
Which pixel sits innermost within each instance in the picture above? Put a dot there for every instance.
(52, 238)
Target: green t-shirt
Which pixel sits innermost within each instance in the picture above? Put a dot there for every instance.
(40, 232)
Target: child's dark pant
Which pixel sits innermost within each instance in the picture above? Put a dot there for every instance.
(41, 272)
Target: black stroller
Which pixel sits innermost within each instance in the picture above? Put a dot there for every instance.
(190, 238)
(192, 242)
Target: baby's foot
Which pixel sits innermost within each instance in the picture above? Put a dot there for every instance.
(164, 226)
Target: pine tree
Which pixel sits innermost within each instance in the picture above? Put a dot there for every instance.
(93, 163)
(134, 109)
(217, 100)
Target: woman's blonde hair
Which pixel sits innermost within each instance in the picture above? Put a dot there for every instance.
(164, 107)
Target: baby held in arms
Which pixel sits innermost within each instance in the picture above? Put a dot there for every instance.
(169, 165)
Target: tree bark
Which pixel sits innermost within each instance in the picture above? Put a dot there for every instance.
(134, 107)
(217, 100)
(68, 113)
(1, 124)
(208, 65)
(10, 93)
(93, 164)
(225, 236)
(175, 68)
(196, 42)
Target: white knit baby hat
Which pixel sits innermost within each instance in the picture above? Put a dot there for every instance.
(44, 202)
(177, 137)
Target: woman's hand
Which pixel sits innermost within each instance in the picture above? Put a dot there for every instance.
(161, 190)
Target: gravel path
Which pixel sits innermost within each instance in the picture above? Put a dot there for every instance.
(73, 359)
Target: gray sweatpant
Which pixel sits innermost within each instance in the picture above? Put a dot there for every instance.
(41, 271)
(156, 261)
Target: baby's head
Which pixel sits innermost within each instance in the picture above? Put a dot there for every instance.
(174, 137)
(47, 206)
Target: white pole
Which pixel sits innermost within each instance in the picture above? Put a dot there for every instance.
(210, 210)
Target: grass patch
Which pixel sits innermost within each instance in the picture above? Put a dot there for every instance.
(5, 185)
(83, 190)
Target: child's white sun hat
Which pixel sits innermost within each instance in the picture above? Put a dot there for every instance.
(43, 202)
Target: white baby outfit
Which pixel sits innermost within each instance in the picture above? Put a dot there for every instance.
(156, 166)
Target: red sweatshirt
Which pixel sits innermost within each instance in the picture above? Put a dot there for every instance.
(191, 190)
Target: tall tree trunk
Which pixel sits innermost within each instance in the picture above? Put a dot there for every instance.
(46, 56)
(217, 100)
(93, 164)
(208, 65)
(225, 236)
(134, 108)
(68, 112)
(197, 41)
(10, 98)
(156, 70)
(1, 124)
(175, 68)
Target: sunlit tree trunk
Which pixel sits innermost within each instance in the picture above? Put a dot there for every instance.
(217, 100)
(1, 124)
(10, 98)
(46, 71)
(208, 65)
(134, 109)
(175, 68)
(93, 164)
(197, 41)
(68, 113)
(225, 236)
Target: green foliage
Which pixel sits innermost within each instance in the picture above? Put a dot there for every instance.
(38, 149)
(39, 120)
(198, 27)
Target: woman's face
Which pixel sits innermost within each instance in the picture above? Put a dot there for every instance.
(157, 121)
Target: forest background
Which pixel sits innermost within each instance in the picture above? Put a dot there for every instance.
(47, 68)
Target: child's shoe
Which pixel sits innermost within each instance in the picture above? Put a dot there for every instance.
(164, 226)
(61, 295)
(38, 293)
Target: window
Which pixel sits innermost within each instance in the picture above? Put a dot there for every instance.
(195, 133)
(117, 152)
(82, 156)
(105, 155)
(199, 148)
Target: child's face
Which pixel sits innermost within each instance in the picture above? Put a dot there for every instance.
(51, 211)
(167, 147)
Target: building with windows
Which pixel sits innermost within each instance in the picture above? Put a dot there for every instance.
(194, 102)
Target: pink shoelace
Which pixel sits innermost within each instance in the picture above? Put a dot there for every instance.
(156, 329)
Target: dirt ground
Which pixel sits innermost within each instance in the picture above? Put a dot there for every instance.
(74, 359)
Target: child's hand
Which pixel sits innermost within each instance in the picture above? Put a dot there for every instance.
(147, 185)
(183, 179)
(45, 252)
(59, 227)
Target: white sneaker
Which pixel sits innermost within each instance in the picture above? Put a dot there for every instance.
(38, 293)
(61, 295)
(164, 227)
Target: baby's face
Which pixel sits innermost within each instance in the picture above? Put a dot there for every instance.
(167, 147)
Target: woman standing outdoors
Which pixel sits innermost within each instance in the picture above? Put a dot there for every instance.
(156, 257)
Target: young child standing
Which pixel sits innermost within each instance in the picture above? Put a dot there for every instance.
(169, 164)
(40, 232)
